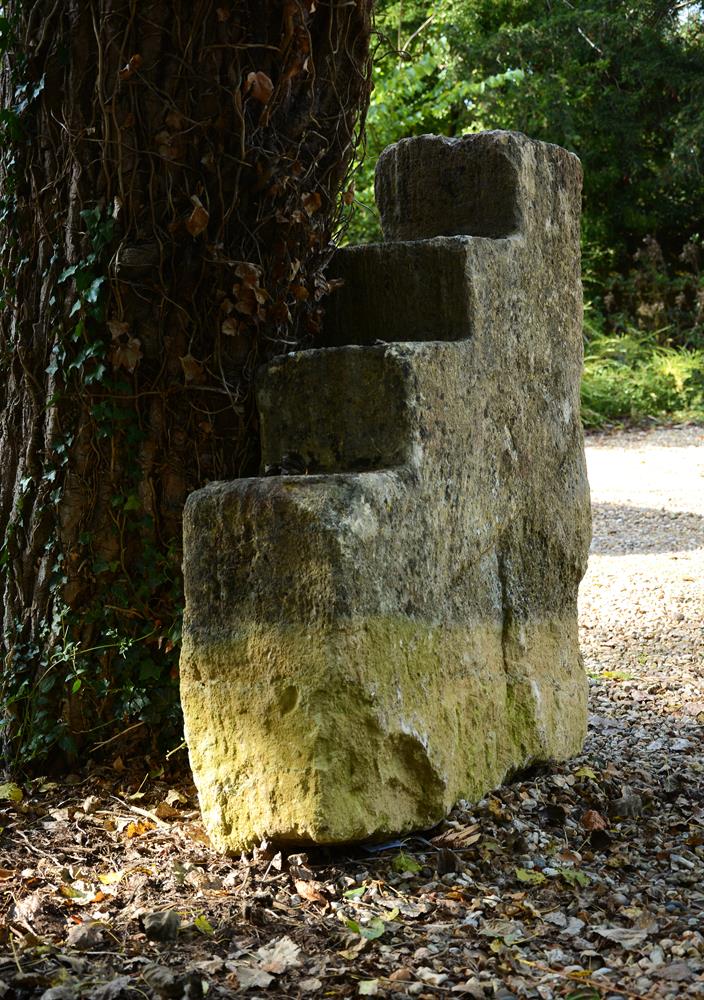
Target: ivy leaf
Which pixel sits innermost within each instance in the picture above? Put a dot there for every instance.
(93, 291)
(355, 893)
(70, 892)
(202, 924)
(405, 863)
(11, 792)
(371, 931)
(532, 877)
(574, 877)
(91, 216)
(67, 273)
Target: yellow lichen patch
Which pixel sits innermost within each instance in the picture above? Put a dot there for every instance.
(375, 727)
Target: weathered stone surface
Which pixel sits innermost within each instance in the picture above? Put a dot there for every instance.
(395, 630)
(458, 187)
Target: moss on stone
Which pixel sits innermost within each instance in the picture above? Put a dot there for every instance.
(378, 726)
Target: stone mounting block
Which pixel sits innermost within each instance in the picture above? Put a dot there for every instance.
(394, 627)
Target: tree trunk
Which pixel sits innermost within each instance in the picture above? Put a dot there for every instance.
(169, 181)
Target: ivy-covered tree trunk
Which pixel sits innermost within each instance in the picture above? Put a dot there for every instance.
(169, 180)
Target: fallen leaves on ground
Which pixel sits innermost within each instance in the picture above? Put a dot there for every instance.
(579, 880)
(534, 909)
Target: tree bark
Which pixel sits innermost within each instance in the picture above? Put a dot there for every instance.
(169, 182)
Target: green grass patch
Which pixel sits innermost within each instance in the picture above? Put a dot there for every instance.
(631, 378)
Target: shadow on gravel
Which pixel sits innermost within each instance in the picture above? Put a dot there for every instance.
(619, 529)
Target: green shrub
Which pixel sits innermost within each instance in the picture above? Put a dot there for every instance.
(632, 377)
(664, 300)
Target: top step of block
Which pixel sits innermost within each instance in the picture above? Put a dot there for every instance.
(490, 184)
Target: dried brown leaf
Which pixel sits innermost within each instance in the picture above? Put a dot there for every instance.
(112, 878)
(165, 811)
(249, 978)
(85, 936)
(458, 838)
(138, 827)
(593, 820)
(311, 984)
(429, 976)
(193, 370)
(401, 975)
(259, 86)
(311, 891)
(311, 202)
(246, 304)
(279, 956)
(174, 120)
(629, 938)
(249, 274)
(131, 67)
(230, 327)
(117, 328)
(197, 221)
(677, 972)
(126, 355)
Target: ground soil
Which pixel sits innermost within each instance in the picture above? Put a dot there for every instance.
(582, 879)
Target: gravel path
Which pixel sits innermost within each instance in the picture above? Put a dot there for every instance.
(642, 600)
(642, 636)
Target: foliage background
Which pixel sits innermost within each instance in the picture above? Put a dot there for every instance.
(622, 85)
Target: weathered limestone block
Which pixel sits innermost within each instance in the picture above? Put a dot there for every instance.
(396, 629)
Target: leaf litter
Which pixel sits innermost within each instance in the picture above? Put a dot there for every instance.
(581, 880)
